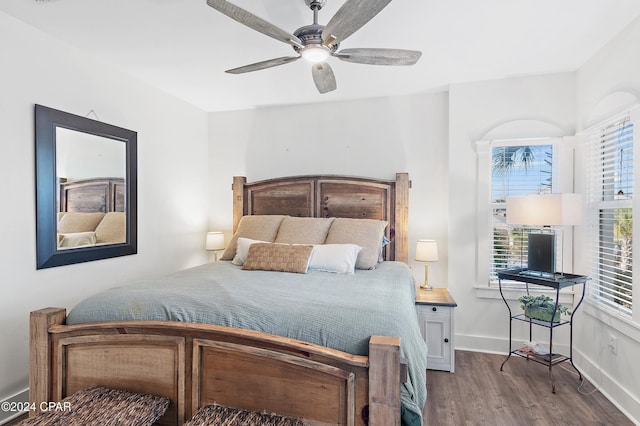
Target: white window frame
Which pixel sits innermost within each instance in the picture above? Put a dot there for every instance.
(562, 181)
(593, 209)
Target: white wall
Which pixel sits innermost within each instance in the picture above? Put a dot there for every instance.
(479, 111)
(172, 181)
(607, 83)
(374, 138)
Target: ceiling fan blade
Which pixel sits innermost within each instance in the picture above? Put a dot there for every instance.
(264, 64)
(379, 56)
(323, 77)
(351, 17)
(254, 22)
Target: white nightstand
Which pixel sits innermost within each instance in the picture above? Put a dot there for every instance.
(435, 315)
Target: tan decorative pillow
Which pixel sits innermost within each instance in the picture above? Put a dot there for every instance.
(303, 230)
(257, 227)
(278, 257)
(112, 229)
(366, 233)
(72, 222)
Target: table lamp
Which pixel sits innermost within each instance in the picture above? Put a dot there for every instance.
(544, 210)
(426, 251)
(215, 242)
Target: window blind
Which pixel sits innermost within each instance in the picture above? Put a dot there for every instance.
(516, 170)
(611, 171)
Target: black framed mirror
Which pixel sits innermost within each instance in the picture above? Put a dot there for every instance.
(86, 189)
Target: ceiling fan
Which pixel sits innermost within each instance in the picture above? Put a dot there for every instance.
(317, 42)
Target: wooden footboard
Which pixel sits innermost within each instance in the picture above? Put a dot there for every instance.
(198, 364)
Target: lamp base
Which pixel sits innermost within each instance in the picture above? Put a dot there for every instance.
(425, 285)
(215, 255)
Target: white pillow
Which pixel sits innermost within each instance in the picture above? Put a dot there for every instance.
(243, 250)
(336, 258)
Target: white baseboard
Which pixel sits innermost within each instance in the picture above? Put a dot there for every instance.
(618, 395)
(20, 397)
(495, 345)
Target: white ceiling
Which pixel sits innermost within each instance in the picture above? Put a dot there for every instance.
(184, 46)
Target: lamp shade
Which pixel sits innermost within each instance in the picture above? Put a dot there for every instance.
(215, 241)
(545, 209)
(427, 251)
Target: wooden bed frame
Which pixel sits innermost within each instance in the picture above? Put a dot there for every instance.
(331, 196)
(198, 364)
(103, 194)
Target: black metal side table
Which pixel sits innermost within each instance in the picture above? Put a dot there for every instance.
(557, 282)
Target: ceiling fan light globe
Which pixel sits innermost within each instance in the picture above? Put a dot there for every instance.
(315, 54)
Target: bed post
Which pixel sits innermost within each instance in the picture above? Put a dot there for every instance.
(384, 381)
(40, 354)
(238, 200)
(402, 217)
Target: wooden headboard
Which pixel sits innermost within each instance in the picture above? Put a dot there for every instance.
(331, 196)
(102, 194)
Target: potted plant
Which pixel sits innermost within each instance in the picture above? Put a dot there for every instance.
(541, 308)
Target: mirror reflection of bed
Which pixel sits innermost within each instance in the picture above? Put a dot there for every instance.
(91, 212)
(91, 199)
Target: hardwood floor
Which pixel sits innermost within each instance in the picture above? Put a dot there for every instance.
(478, 393)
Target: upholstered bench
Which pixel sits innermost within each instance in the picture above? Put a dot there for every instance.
(224, 416)
(101, 406)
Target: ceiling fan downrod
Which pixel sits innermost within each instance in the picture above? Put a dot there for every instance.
(315, 6)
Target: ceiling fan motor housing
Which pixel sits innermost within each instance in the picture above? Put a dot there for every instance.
(312, 35)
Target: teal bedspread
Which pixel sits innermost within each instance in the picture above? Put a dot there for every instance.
(336, 311)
